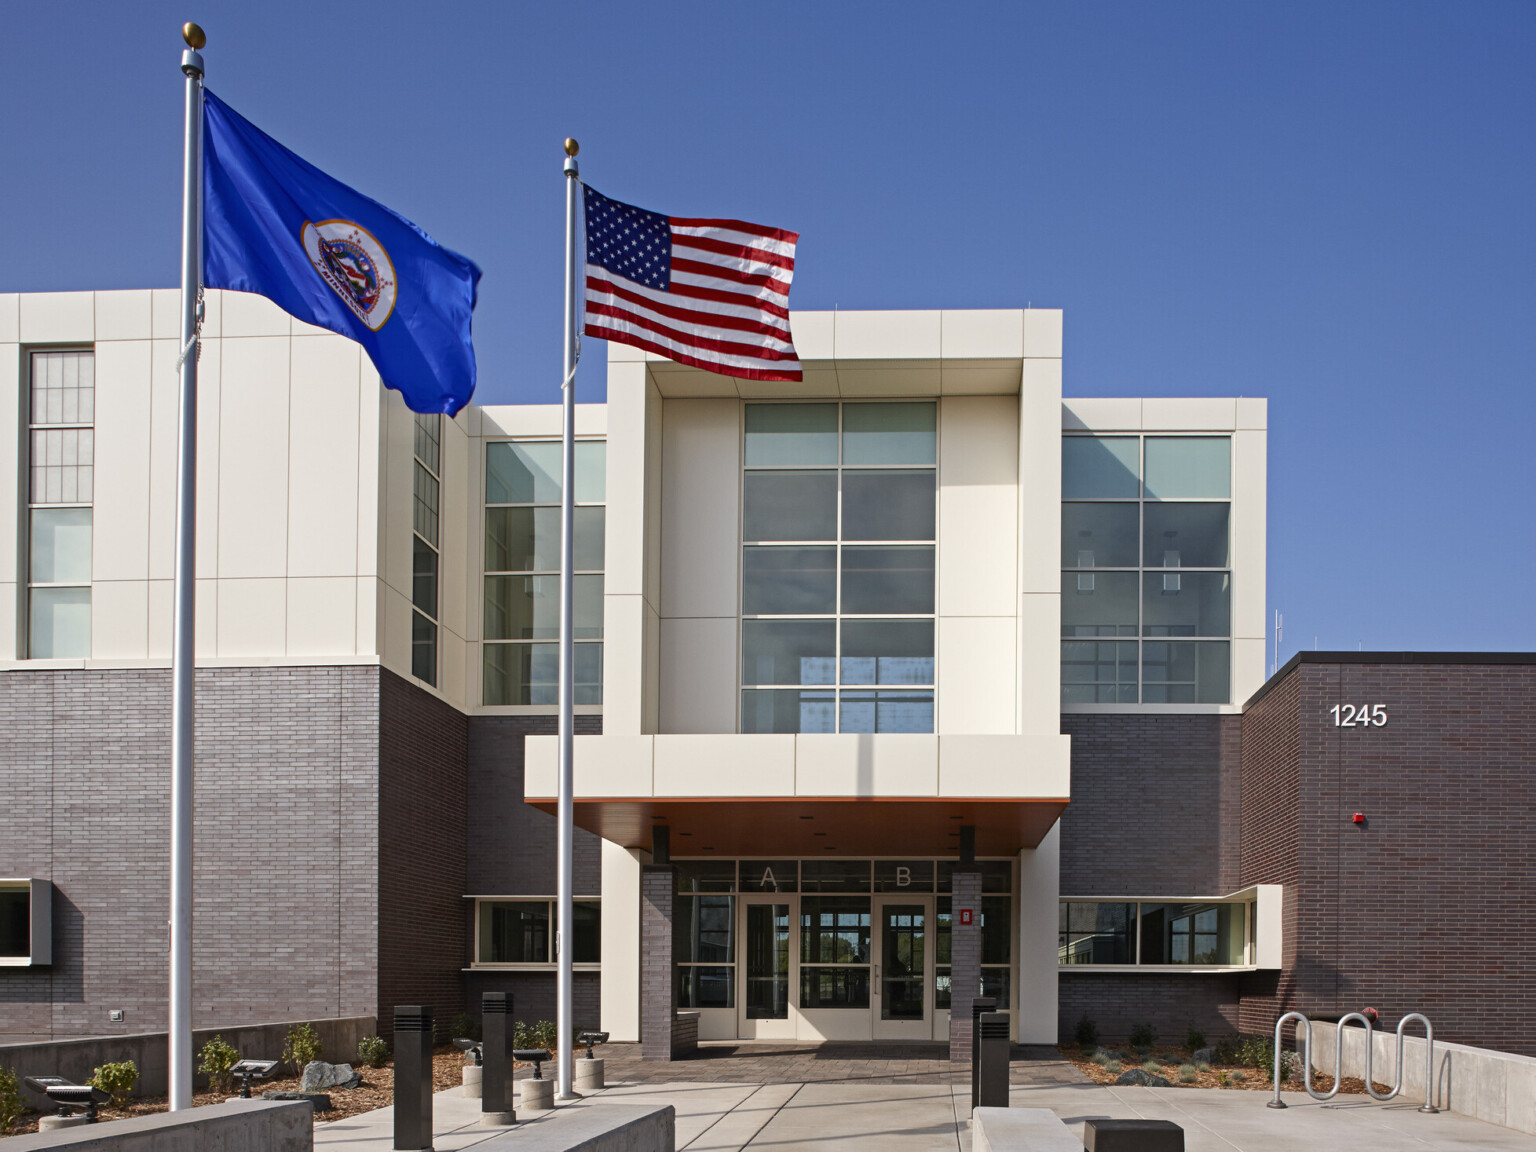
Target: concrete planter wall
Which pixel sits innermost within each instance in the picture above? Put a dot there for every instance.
(1498, 1087)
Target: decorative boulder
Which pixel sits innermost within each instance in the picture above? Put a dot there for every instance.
(321, 1102)
(1206, 1054)
(1144, 1078)
(318, 1074)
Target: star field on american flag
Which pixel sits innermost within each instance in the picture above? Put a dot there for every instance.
(710, 293)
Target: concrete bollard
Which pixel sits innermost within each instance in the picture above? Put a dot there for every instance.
(536, 1095)
(472, 1081)
(413, 1076)
(589, 1075)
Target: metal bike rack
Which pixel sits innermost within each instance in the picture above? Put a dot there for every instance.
(1304, 1030)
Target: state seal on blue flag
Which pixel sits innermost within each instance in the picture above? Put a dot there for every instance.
(276, 225)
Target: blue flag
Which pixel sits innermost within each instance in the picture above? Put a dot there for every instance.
(276, 225)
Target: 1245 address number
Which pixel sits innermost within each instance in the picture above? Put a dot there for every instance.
(1359, 716)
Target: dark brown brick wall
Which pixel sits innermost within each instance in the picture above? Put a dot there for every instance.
(1170, 1002)
(533, 995)
(512, 844)
(423, 786)
(1427, 906)
(1155, 801)
(285, 845)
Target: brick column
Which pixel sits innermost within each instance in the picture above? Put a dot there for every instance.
(658, 975)
(964, 958)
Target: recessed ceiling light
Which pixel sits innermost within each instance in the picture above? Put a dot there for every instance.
(828, 848)
(685, 833)
(709, 847)
(807, 817)
(818, 833)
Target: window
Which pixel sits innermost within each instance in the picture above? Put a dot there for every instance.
(61, 457)
(839, 510)
(522, 572)
(996, 947)
(26, 923)
(425, 563)
(523, 931)
(1146, 586)
(1172, 933)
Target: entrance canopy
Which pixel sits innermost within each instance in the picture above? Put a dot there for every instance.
(860, 795)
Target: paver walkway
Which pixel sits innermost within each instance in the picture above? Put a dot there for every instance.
(813, 1063)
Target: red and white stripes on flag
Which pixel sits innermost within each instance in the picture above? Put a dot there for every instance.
(710, 293)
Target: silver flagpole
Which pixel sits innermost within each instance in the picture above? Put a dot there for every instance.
(564, 937)
(180, 1027)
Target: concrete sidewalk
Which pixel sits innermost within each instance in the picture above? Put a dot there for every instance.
(863, 1117)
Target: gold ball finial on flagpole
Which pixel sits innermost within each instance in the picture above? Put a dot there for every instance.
(571, 147)
(194, 35)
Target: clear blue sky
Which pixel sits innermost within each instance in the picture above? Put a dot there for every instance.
(1330, 205)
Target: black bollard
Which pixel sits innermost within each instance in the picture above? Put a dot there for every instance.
(496, 1077)
(979, 1005)
(990, 1076)
(413, 1077)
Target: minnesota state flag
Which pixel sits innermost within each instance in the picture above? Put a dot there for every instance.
(276, 225)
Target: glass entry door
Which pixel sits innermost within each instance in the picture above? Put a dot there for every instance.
(766, 955)
(902, 1002)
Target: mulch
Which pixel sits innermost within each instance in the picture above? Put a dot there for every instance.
(1240, 1077)
(377, 1090)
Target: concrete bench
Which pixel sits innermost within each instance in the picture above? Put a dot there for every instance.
(271, 1125)
(1015, 1129)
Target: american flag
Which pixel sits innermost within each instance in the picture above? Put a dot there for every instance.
(710, 293)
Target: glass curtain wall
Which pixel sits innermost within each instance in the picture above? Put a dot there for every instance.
(1145, 932)
(61, 459)
(839, 513)
(1146, 586)
(521, 622)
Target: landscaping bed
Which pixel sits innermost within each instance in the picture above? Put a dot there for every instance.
(1177, 1065)
(377, 1090)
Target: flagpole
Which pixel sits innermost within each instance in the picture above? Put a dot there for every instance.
(564, 937)
(179, 1035)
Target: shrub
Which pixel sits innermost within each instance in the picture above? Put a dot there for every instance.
(302, 1046)
(215, 1060)
(1226, 1050)
(463, 1026)
(1142, 1036)
(1194, 1039)
(1257, 1052)
(1100, 1057)
(11, 1103)
(539, 1035)
(117, 1080)
(1202, 1065)
(1113, 1067)
(1239, 1077)
(1188, 1073)
(1086, 1032)
(372, 1051)
(1221, 1079)
(1152, 1068)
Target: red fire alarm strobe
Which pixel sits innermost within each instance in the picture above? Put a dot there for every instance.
(965, 915)
(1358, 817)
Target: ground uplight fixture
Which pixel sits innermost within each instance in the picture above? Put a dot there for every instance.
(591, 1038)
(534, 1056)
(470, 1048)
(248, 1070)
(69, 1096)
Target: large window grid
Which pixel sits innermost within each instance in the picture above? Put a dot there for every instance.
(520, 931)
(1146, 569)
(61, 456)
(835, 924)
(521, 620)
(425, 560)
(1160, 933)
(839, 528)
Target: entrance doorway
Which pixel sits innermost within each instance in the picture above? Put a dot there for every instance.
(902, 1000)
(767, 937)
